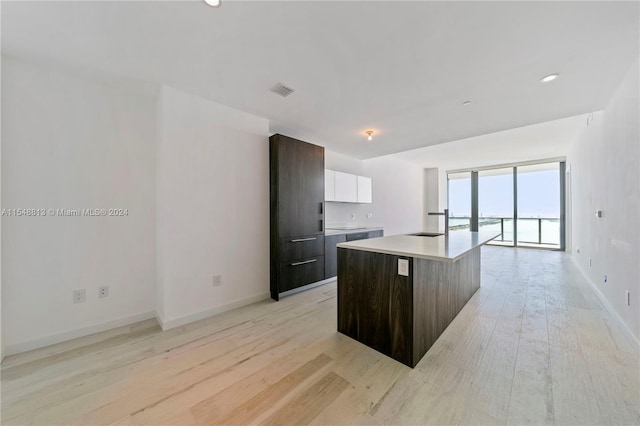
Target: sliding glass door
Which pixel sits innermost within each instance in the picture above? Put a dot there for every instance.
(522, 202)
(495, 203)
(459, 191)
(539, 205)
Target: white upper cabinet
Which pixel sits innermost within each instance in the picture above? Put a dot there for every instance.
(329, 185)
(346, 187)
(364, 190)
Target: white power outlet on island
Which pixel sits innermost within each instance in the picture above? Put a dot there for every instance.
(217, 280)
(403, 267)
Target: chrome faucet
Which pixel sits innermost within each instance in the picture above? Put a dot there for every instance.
(446, 219)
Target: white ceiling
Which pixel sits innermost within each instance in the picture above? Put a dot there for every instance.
(542, 141)
(400, 68)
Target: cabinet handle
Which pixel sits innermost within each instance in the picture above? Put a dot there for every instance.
(299, 240)
(304, 263)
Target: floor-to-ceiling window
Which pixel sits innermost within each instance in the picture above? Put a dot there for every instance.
(539, 205)
(459, 196)
(495, 203)
(523, 202)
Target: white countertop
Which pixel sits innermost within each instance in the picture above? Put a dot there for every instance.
(443, 248)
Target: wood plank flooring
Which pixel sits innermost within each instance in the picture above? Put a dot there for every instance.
(533, 346)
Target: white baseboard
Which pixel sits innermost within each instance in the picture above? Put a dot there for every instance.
(160, 320)
(168, 324)
(74, 334)
(606, 304)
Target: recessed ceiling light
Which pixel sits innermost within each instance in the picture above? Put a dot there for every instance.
(466, 103)
(548, 78)
(214, 3)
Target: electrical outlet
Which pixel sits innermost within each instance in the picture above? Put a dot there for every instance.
(217, 280)
(627, 298)
(403, 267)
(578, 250)
(353, 216)
(369, 215)
(79, 296)
(103, 291)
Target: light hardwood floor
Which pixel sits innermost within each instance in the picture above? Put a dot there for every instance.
(533, 346)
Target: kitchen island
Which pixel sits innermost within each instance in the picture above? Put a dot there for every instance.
(398, 294)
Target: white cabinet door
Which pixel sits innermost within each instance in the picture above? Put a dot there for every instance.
(364, 190)
(346, 187)
(329, 185)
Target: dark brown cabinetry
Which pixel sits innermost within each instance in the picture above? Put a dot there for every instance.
(294, 274)
(402, 316)
(357, 236)
(376, 234)
(331, 254)
(331, 251)
(297, 213)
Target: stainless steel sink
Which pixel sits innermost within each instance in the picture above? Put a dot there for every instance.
(426, 234)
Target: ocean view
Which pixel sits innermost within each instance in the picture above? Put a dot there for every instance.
(527, 228)
(537, 200)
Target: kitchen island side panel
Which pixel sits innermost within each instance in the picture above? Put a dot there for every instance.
(375, 303)
(440, 291)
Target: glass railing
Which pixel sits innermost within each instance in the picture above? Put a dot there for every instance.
(532, 231)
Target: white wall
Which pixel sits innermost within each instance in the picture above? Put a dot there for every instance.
(1, 336)
(213, 208)
(398, 194)
(71, 141)
(432, 199)
(74, 140)
(605, 174)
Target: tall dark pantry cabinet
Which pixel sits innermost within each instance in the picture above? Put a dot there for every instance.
(297, 213)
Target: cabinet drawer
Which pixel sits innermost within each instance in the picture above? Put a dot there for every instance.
(357, 236)
(376, 234)
(300, 247)
(298, 273)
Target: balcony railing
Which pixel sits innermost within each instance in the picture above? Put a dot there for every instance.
(526, 234)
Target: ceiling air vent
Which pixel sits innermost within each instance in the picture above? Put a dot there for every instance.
(282, 90)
